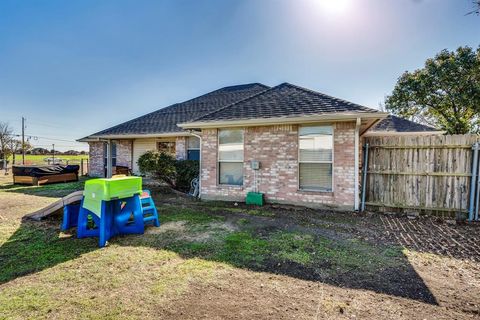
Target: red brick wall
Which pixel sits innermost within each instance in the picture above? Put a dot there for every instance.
(95, 161)
(181, 148)
(276, 147)
(124, 153)
(96, 156)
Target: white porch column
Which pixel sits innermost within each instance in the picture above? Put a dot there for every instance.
(109, 158)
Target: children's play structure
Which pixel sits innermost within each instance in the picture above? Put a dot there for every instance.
(106, 208)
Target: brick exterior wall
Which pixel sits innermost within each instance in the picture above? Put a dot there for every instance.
(276, 147)
(96, 155)
(95, 161)
(124, 153)
(181, 148)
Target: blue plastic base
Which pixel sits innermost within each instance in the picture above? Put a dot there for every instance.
(70, 216)
(121, 216)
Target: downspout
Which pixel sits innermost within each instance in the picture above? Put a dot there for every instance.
(357, 163)
(131, 155)
(199, 164)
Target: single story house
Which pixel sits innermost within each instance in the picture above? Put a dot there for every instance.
(308, 144)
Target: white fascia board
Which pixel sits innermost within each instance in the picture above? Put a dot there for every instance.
(134, 136)
(334, 117)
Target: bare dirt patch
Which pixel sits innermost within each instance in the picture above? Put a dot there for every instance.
(173, 226)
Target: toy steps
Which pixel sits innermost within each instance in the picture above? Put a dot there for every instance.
(149, 210)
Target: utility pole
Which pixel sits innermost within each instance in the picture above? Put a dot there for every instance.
(23, 140)
(53, 145)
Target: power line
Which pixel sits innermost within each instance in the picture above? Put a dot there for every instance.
(54, 139)
(58, 145)
(41, 137)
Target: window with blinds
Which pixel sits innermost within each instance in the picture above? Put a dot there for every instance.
(316, 158)
(230, 156)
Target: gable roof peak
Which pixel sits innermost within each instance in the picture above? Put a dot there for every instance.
(283, 100)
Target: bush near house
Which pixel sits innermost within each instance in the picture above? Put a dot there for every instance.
(176, 173)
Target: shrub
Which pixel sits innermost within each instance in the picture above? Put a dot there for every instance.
(186, 171)
(176, 173)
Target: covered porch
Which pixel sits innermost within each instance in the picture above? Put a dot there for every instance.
(114, 155)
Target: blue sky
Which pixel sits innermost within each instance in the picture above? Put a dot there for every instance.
(75, 67)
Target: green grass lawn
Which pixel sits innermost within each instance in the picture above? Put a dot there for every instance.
(39, 159)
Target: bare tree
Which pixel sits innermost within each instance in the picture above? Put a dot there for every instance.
(15, 146)
(476, 7)
(5, 138)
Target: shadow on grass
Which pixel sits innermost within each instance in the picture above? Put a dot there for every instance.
(54, 190)
(351, 264)
(36, 246)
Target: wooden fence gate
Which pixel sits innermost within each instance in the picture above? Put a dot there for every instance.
(430, 174)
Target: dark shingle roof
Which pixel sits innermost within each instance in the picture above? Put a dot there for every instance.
(397, 124)
(284, 100)
(165, 120)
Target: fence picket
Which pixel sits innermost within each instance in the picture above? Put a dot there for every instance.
(428, 173)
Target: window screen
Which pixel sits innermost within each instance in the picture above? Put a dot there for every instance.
(230, 156)
(316, 158)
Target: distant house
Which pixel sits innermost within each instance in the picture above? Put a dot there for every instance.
(307, 143)
(71, 152)
(39, 151)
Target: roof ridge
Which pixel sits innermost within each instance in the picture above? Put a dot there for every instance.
(324, 95)
(232, 104)
(128, 121)
(412, 121)
(163, 110)
(216, 90)
(395, 123)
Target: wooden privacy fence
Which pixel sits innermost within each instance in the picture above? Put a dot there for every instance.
(425, 173)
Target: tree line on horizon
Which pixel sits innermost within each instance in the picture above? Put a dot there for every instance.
(11, 146)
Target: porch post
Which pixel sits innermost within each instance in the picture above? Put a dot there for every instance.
(109, 158)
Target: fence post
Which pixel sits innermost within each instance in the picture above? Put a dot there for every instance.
(473, 184)
(477, 200)
(364, 176)
(81, 167)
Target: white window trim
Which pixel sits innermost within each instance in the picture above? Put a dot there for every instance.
(332, 162)
(230, 161)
